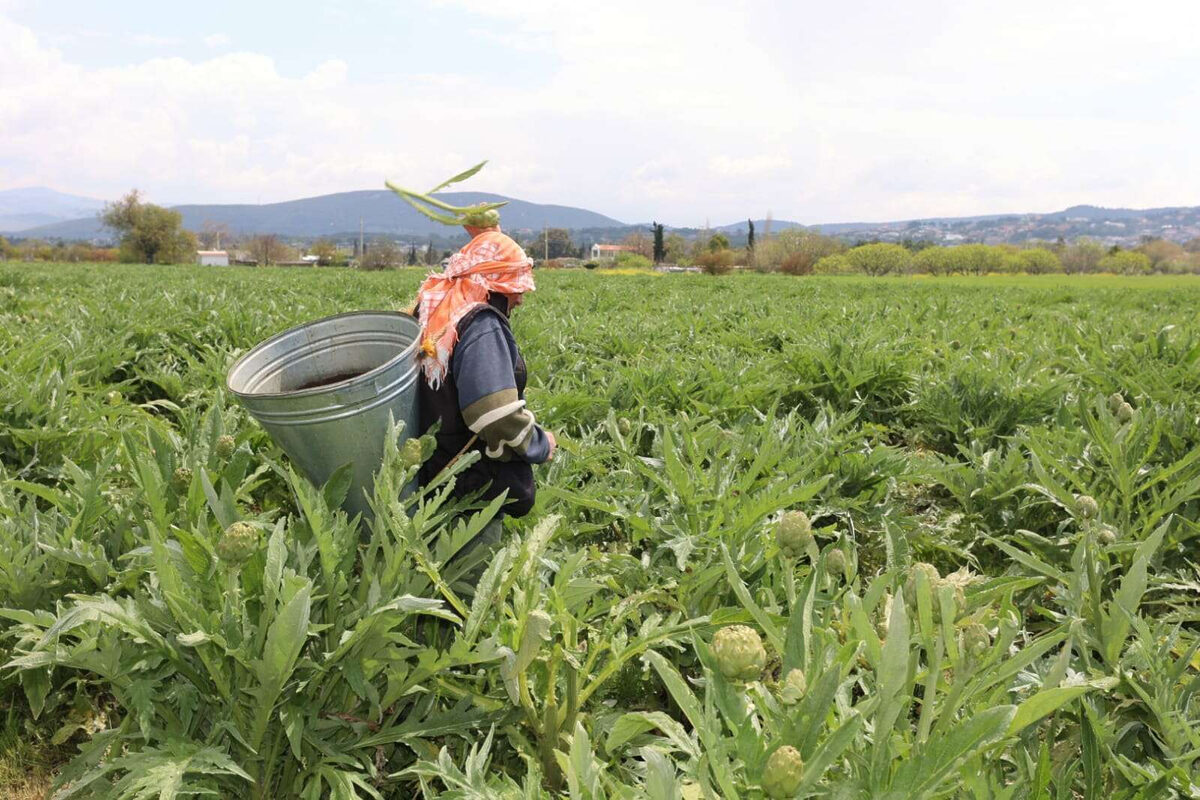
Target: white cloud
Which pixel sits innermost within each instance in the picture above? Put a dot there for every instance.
(152, 40)
(749, 166)
(676, 111)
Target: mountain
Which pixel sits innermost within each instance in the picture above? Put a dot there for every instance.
(38, 213)
(381, 212)
(1123, 226)
(760, 225)
(21, 209)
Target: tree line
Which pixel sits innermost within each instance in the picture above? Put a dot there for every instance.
(152, 234)
(803, 252)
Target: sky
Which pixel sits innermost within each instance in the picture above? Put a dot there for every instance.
(682, 112)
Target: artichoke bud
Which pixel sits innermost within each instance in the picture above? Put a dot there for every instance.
(428, 445)
(225, 445)
(975, 639)
(739, 653)
(113, 397)
(1087, 506)
(1115, 401)
(932, 576)
(1107, 534)
(795, 685)
(478, 217)
(960, 598)
(835, 562)
(624, 426)
(411, 454)
(182, 480)
(238, 544)
(783, 773)
(793, 534)
(1125, 413)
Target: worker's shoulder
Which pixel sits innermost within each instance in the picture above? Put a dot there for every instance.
(482, 321)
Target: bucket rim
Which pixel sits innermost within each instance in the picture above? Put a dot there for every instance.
(329, 386)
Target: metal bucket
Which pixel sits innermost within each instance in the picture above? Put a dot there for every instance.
(324, 392)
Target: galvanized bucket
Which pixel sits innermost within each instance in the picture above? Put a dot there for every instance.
(324, 392)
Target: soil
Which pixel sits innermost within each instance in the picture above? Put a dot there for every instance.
(326, 380)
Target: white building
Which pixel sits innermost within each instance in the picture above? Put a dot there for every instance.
(609, 250)
(212, 258)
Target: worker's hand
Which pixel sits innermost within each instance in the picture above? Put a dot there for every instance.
(553, 445)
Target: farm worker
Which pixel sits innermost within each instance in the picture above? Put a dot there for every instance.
(473, 376)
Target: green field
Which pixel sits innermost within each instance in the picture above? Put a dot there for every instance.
(1047, 646)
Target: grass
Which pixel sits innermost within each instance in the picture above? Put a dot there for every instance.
(950, 421)
(27, 765)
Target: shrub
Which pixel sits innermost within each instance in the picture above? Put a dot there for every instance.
(934, 261)
(1037, 261)
(836, 264)
(716, 262)
(977, 259)
(1126, 262)
(632, 261)
(879, 259)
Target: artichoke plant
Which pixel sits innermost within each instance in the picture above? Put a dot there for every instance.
(739, 652)
(480, 215)
(181, 479)
(783, 773)
(835, 562)
(794, 687)
(410, 454)
(225, 446)
(238, 544)
(1087, 506)
(793, 534)
(932, 576)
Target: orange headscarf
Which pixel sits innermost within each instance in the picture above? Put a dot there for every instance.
(490, 262)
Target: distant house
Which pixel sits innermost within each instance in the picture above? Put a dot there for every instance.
(212, 258)
(609, 250)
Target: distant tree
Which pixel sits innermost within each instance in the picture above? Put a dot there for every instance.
(325, 251)
(212, 234)
(750, 236)
(1162, 253)
(6, 249)
(431, 255)
(716, 262)
(795, 251)
(1126, 262)
(412, 255)
(1083, 256)
(150, 234)
(266, 249)
(1192, 245)
(934, 261)
(381, 254)
(835, 264)
(978, 259)
(660, 247)
(638, 242)
(718, 242)
(879, 259)
(675, 249)
(558, 242)
(1037, 261)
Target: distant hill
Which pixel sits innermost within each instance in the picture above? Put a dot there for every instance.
(381, 212)
(760, 225)
(38, 213)
(21, 209)
(1123, 226)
